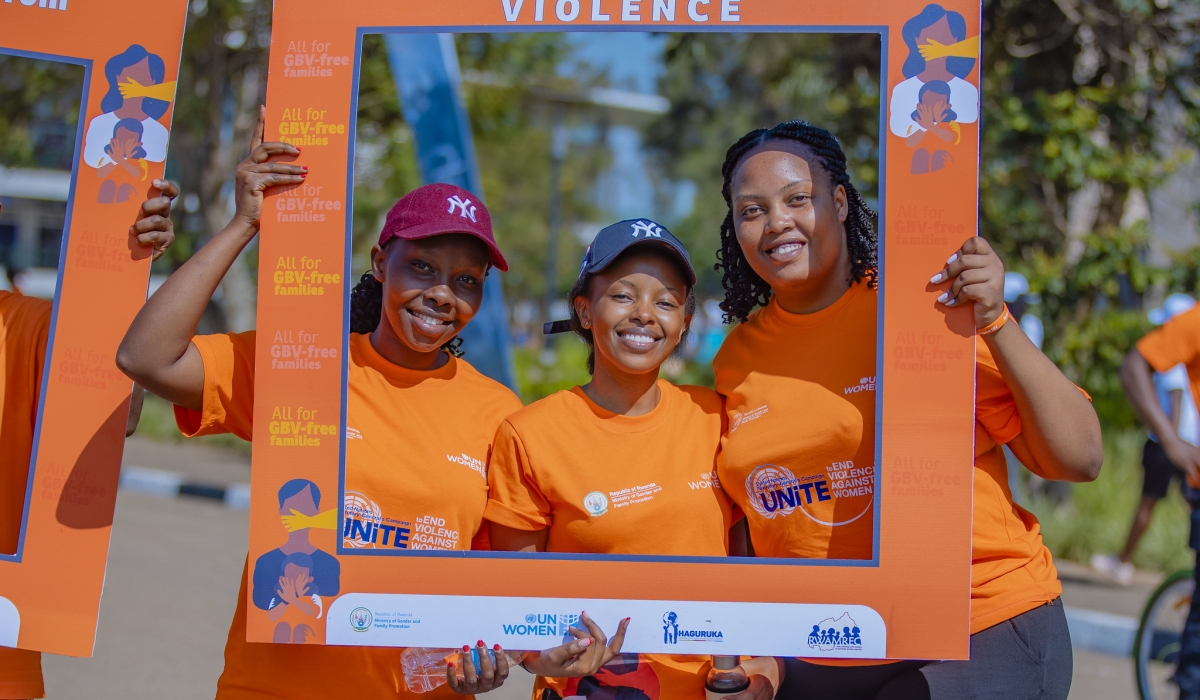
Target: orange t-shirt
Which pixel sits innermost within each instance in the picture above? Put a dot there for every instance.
(799, 453)
(614, 484)
(425, 475)
(24, 328)
(1176, 341)
(814, 365)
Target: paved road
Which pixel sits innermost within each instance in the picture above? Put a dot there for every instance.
(173, 576)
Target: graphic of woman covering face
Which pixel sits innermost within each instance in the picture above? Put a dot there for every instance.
(126, 153)
(136, 93)
(940, 56)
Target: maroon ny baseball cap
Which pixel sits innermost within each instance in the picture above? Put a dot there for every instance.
(437, 208)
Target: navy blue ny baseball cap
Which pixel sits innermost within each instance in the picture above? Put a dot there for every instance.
(613, 240)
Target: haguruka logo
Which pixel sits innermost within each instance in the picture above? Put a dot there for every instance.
(740, 418)
(469, 462)
(673, 633)
(842, 634)
(864, 384)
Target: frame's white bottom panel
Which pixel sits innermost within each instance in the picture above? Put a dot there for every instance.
(657, 626)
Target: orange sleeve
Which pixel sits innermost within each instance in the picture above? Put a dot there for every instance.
(995, 408)
(21, 674)
(1176, 341)
(228, 403)
(514, 498)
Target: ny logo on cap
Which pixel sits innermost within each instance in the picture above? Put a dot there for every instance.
(648, 228)
(465, 208)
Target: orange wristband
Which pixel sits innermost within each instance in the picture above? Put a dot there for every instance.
(995, 325)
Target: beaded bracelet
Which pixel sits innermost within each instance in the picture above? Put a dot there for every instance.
(995, 325)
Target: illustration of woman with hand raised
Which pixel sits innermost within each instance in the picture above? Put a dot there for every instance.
(940, 57)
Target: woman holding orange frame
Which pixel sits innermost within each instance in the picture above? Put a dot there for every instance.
(798, 241)
(623, 464)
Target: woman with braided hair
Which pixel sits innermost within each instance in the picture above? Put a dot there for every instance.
(800, 270)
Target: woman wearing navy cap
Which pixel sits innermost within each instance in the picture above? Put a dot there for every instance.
(623, 464)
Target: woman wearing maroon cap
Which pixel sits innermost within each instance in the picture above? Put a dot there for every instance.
(411, 400)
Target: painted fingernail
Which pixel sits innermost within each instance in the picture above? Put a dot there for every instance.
(952, 258)
(479, 643)
(951, 302)
(936, 278)
(496, 647)
(628, 619)
(585, 642)
(466, 648)
(943, 296)
(304, 166)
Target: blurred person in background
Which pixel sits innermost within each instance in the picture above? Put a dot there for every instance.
(1176, 401)
(1176, 342)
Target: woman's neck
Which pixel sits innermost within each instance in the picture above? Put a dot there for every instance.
(621, 392)
(298, 542)
(935, 69)
(131, 109)
(819, 294)
(395, 351)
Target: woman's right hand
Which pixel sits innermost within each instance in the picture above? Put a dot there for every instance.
(582, 657)
(255, 175)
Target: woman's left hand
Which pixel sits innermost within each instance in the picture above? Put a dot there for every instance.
(976, 275)
(490, 676)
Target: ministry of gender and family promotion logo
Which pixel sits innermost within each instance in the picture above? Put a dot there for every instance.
(543, 625)
(360, 619)
(674, 632)
(595, 503)
(842, 634)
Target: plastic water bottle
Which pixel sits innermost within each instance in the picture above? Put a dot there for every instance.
(425, 669)
(725, 678)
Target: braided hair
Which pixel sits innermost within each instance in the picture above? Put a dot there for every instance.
(744, 289)
(366, 308)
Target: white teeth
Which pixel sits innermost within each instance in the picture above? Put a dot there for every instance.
(638, 338)
(429, 319)
(785, 249)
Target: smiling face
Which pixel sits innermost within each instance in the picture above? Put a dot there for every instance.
(431, 288)
(789, 220)
(636, 310)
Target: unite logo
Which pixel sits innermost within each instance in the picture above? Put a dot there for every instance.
(465, 209)
(469, 462)
(864, 384)
(47, 4)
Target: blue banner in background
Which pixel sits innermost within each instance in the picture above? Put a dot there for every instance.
(425, 68)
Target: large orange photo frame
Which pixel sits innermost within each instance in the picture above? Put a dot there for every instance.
(50, 585)
(910, 600)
